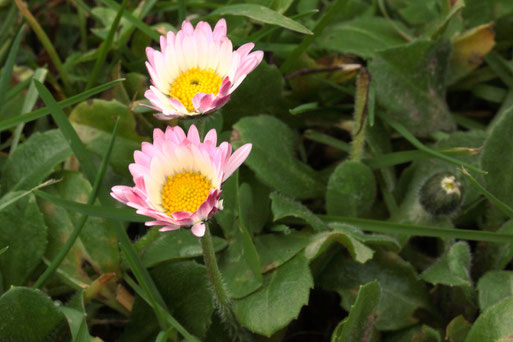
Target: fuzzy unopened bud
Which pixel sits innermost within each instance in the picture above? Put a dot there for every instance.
(441, 194)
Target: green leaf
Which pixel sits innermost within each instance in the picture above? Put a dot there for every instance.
(34, 160)
(457, 329)
(493, 287)
(277, 249)
(186, 290)
(496, 160)
(283, 206)
(76, 315)
(410, 84)
(19, 306)
(451, 269)
(359, 325)
(261, 14)
(237, 271)
(97, 243)
(180, 244)
(362, 36)
(272, 157)
(321, 241)
(419, 333)
(402, 293)
(351, 189)
(494, 324)
(94, 120)
(279, 300)
(24, 231)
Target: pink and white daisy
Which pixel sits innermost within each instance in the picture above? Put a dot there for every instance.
(196, 70)
(178, 178)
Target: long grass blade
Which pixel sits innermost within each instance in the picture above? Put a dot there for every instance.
(331, 12)
(415, 142)
(9, 64)
(120, 214)
(89, 170)
(418, 230)
(14, 121)
(170, 319)
(6, 203)
(105, 47)
(64, 250)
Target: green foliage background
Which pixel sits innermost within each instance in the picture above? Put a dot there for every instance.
(323, 237)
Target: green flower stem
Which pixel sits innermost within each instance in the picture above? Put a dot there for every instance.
(47, 44)
(63, 251)
(360, 114)
(223, 302)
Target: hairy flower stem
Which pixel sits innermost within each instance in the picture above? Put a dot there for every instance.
(223, 302)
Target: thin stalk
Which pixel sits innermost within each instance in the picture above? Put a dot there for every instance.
(223, 302)
(64, 250)
(360, 114)
(47, 44)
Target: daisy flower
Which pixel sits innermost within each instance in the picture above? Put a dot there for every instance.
(178, 178)
(196, 70)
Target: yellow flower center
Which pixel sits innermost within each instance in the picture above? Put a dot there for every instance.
(193, 81)
(186, 191)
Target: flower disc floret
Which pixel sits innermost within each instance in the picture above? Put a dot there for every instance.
(185, 191)
(178, 178)
(193, 81)
(196, 70)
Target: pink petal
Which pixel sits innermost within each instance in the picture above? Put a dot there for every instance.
(219, 30)
(236, 159)
(211, 137)
(193, 135)
(198, 229)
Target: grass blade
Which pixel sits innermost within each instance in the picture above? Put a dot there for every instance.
(2, 251)
(417, 230)
(63, 251)
(327, 140)
(144, 28)
(120, 214)
(170, 319)
(105, 47)
(7, 203)
(5, 79)
(415, 142)
(89, 170)
(401, 157)
(14, 121)
(331, 12)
